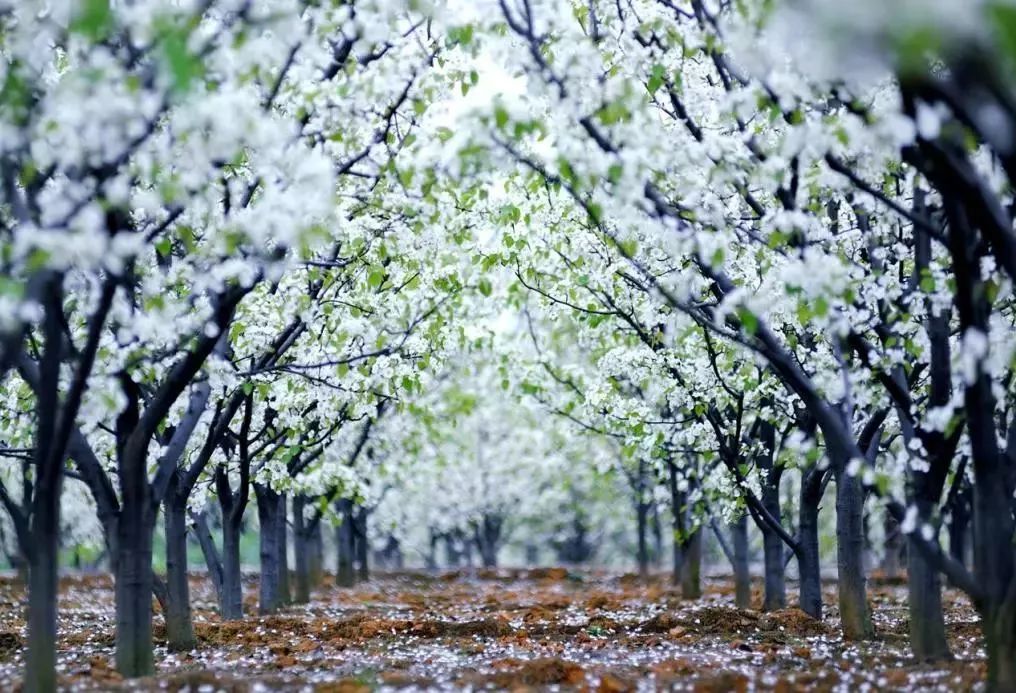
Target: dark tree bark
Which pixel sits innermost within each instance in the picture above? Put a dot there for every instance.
(677, 514)
(772, 542)
(532, 554)
(42, 544)
(344, 575)
(487, 534)
(959, 527)
(576, 547)
(978, 227)
(211, 554)
(853, 600)
(134, 655)
(430, 560)
(232, 505)
(317, 555)
(282, 526)
(467, 547)
(657, 531)
(362, 545)
(739, 549)
(303, 550)
(924, 594)
(691, 568)
(269, 517)
(736, 551)
(177, 611)
(808, 568)
(454, 555)
(39, 534)
(43, 577)
(893, 547)
(231, 598)
(642, 527)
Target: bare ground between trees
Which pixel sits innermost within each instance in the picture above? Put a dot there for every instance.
(505, 630)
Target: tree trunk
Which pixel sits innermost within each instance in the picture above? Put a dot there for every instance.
(532, 554)
(999, 627)
(20, 565)
(488, 538)
(854, 616)
(772, 545)
(302, 549)
(362, 545)
(742, 578)
(893, 547)
(43, 577)
(134, 655)
(42, 530)
(924, 592)
(453, 557)
(282, 525)
(225, 572)
(317, 555)
(654, 525)
(677, 524)
(430, 560)
(808, 567)
(642, 522)
(691, 583)
(959, 526)
(231, 599)
(269, 595)
(134, 577)
(179, 628)
(344, 576)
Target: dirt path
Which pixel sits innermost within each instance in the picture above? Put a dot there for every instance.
(505, 630)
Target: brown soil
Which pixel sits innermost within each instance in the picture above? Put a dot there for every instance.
(505, 629)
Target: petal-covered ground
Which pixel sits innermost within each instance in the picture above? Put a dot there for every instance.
(505, 629)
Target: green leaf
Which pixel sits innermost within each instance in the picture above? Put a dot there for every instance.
(485, 287)
(376, 277)
(614, 112)
(461, 34)
(748, 320)
(163, 246)
(94, 20)
(567, 172)
(184, 67)
(615, 172)
(500, 117)
(656, 77)
(37, 259)
(821, 306)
